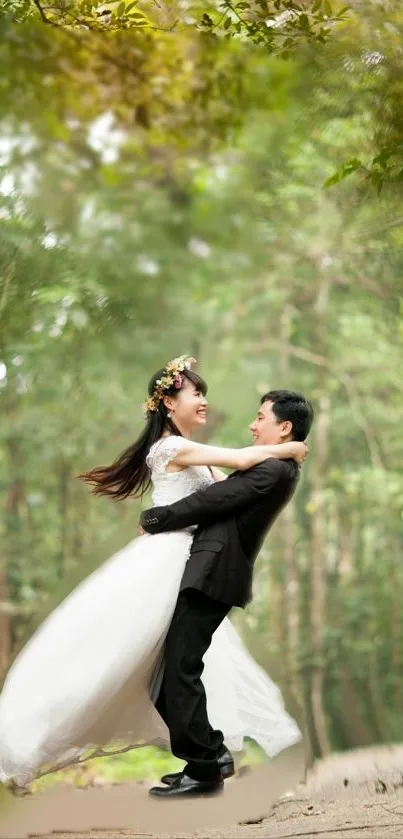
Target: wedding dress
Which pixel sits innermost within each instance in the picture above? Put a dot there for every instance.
(87, 677)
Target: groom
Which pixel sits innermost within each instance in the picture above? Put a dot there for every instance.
(233, 517)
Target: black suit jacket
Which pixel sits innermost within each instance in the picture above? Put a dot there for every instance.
(233, 517)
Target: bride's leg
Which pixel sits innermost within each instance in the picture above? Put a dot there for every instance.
(184, 700)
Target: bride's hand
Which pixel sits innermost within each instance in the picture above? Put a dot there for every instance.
(300, 452)
(141, 532)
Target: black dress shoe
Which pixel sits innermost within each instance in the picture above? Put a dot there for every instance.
(184, 786)
(225, 762)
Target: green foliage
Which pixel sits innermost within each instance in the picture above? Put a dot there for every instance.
(249, 19)
(366, 58)
(278, 29)
(385, 169)
(16, 11)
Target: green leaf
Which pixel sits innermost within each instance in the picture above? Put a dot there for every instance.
(139, 17)
(382, 158)
(227, 23)
(327, 8)
(352, 165)
(334, 179)
(206, 20)
(304, 23)
(347, 169)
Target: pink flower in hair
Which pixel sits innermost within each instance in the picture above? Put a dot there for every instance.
(178, 381)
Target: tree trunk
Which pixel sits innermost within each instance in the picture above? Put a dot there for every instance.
(276, 599)
(346, 547)
(318, 541)
(395, 623)
(277, 579)
(291, 595)
(292, 611)
(291, 599)
(356, 730)
(318, 576)
(379, 711)
(15, 502)
(64, 505)
(5, 633)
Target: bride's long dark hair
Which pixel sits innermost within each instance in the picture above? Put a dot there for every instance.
(129, 473)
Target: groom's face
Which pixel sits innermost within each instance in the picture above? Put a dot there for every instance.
(267, 429)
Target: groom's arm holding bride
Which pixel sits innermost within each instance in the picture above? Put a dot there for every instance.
(225, 497)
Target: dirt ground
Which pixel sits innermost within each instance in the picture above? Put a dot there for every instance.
(348, 795)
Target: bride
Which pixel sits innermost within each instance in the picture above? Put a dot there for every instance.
(90, 674)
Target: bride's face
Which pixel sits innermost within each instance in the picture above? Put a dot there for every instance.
(189, 407)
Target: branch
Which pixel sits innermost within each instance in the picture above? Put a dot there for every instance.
(395, 223)
(372, 285)
(7, 278)
(100, 752)
(348, 383)
(20, 790)
(95, 25)
(336, 830)
(349, 386)
(42, 13)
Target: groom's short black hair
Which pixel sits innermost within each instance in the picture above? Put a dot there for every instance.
(292, 406)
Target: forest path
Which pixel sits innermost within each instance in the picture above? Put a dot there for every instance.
(348, 795)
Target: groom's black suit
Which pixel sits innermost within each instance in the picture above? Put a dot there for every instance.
(233, 516)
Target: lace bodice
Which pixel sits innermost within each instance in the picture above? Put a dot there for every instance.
(172, 486)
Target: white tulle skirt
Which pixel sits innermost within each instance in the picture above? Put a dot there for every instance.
(87, 677)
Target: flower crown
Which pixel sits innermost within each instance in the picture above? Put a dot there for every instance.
(172, 378)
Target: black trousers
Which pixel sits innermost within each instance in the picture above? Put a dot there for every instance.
(182, 699)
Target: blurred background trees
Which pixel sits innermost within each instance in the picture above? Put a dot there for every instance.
(162, 190)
